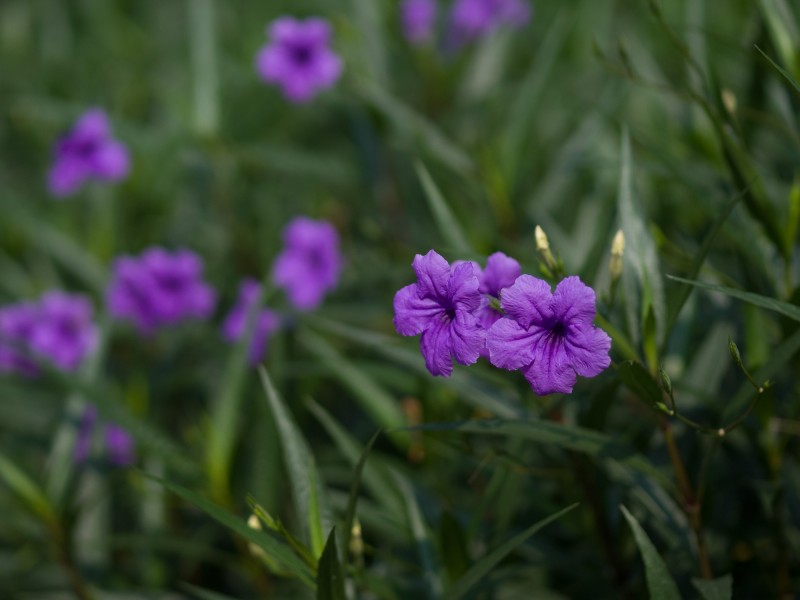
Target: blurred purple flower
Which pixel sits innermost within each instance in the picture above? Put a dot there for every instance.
(310, 262)
(17, 323)
(299, 58)
(119, 446)
(64, 332)
(87, 152)
(440, 306)
(471, 19)
(549, 336)
(266, 323)
(159, 288)
(418, 18)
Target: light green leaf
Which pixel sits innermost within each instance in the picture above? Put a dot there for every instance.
(717, 589)
(275, 549)
(330, 577)
(783, 308)
(659, 581)
(27, 490)
(445, 219)
(485, 565)
(301, 467)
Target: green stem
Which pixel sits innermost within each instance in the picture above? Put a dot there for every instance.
(204, 66)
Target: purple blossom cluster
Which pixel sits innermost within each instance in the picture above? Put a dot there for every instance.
(298, 58)
(118, 444)
(515, 320)
(467, 20)
(265, 322)
(159, 288)
(87, 152)
(58, 328)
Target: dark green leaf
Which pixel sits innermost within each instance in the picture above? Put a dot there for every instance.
(637, 379)
(659, 581)
(330, 577)
(717, 589)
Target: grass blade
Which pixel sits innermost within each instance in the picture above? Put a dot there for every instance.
(445, 219)
(485, 565)
(659, 581)
(330, 577)
(717, 589)
(301, 467)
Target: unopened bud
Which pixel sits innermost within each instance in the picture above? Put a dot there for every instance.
(255, 523)
(617, 250)
(543, 247)
(729, 101)
(666, 382)
(734, 350)
(356, 541)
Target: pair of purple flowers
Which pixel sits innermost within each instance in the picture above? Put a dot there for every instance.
(160, 288)
(549, 336)
(467, 21)
(57, 328)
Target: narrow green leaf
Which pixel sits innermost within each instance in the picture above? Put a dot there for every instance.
(783, 308)
(659, 581)
(640, 382)
(788, 76)
(445, 219)
(27, 490)
(379, 404)
(485, 565)
(372, 48)
(301, 467)
(640, 256)
(783, 29)
(453, 546)
(330, 577)
(717, 589)
(590, 442)
(277, 550)
(355, 483)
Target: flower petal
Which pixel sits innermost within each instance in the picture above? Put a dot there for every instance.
(588, 348)
(467, 338)
(433, 275)
(528, 301)
(413, 314)
(574, 302)
(551, 371)
(501, 272)
(436, 345)
(510, 345)
(463, 287)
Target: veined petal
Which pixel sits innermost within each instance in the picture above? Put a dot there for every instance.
(436, 346)
(467, 338)
(463, 287)
(510, 345)
(413, 314)
(501, 272)
(574, 302)
(588, 350)
(528, 301)
(551, 371)
(433, 275)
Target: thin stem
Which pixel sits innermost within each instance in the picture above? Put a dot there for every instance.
(690, 503)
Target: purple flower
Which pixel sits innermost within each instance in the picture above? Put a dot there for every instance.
(418, 18)
(119, 446)
(471, 19)
(440, 306)
(549, 336)
(298, 58)
(266, 323)
(309, 264)
(87, 152)
(159, 288)
(64, 332)
(501, 272)
(17, 323)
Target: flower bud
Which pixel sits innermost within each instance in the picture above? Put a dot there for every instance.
(543, 247)
(617, 250)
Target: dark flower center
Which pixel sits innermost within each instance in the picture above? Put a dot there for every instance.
(558, 331)
(450, 314)
(301, 54)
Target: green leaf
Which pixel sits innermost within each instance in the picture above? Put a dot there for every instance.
(637, 379)
(330, 577)
(378, 403)
(449, 227)
(780, 70)
(783, 308)
(717, 589)
(275, 549)
(640, 257)
(485, 565)
(453, 546)
(355, 483)
(203, 594)
(301, 467)
(27, 490)
(593, 443)
(783, 29)
(659, 581)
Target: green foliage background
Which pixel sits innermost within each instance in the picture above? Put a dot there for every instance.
(662, 119)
